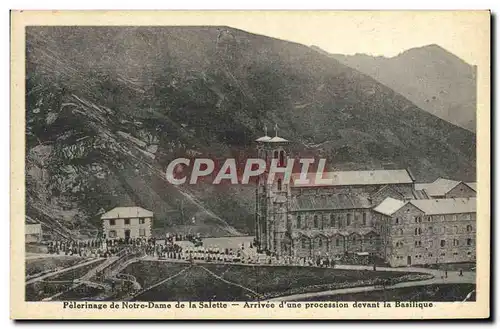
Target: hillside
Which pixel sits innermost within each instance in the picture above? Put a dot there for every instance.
(108, 108)
(431, 77)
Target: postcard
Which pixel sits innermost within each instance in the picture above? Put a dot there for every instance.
(250, 165)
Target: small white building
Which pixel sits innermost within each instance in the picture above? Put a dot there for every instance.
(127, 222)
(32, 231)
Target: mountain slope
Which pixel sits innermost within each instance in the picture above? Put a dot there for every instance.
(109, 107)
(431, 77)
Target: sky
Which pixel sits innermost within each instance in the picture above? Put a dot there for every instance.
(387, 34)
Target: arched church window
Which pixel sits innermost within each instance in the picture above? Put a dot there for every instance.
(320, 242)
(315, 221)
(279, 184)
(275, 155)
(299, 221)
(364, 218)
(304, 243)
(332, 220)
(348, 219)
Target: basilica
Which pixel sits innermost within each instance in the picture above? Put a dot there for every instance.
(376, 212)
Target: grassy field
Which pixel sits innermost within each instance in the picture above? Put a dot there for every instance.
(430, 293)
(38, 265)
(224, 282)
(51, 286)
(196, 285)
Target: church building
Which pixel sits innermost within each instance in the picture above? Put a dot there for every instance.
(331, 219)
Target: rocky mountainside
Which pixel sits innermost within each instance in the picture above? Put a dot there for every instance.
(431, 77)
(107, 108)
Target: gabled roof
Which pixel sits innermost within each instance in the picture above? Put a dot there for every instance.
(329, 202)
(363, 177)
(127, 212)
(446, 206)
(472, 185)
(389, 206)
(439, 187)
(430, 206)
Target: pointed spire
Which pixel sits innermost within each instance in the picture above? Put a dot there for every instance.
(276, 129)
(265, 130)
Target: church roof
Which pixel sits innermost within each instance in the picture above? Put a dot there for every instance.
(277, 139)
(263, 139)
(127, 212)
(329, 202)
(363, 177)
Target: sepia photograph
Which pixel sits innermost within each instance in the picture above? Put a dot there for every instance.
(312, 161)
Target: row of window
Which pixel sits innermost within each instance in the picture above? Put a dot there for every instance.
(420, 219)
(126, 221)
(112, 233)
(335, 221)
(456, 243)
(418, 230)
(338, 241)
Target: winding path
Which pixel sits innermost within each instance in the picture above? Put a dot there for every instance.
(439, 278)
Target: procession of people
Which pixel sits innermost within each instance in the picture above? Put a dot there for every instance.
(174, 247)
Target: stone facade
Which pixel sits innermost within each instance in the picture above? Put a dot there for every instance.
(127, 227)
(410, 236)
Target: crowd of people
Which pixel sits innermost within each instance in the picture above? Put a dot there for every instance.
(85, 248)
(172, 247)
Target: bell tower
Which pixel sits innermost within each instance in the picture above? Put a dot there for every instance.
(271, 206)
